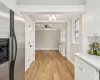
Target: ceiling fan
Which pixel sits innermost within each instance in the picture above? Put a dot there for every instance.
(46, 26)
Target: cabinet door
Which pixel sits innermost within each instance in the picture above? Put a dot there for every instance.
(84, 76)
(97, 17)
(78, 73)
(90, 16)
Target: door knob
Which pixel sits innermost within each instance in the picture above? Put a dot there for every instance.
(30, 45)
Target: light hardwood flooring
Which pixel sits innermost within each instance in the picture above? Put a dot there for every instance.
(50, 65)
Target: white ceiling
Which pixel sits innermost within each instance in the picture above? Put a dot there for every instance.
(59, 16)
(51, 2)
(42, 18)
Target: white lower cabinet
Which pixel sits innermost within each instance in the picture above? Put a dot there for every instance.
(84, 76)
(80, 74)
(77, 73)
(84, 71)
(62, 50)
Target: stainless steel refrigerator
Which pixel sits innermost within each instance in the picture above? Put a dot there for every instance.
(12, 45)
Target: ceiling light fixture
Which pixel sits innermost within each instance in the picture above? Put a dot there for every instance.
(52, 17)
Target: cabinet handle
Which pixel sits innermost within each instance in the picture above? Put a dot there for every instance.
(80, 68)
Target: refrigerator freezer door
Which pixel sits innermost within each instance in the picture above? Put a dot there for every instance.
(4, 33)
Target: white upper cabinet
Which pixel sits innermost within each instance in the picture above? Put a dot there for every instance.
(90, 17)
(97, 17)
(93, 17)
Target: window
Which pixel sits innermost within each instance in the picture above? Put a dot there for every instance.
(76, 31)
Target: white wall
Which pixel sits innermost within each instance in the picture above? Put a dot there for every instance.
(69, 40)
(29, 42)
(73, 47)
(63, 33)
(47, 39)
(9, 3)
(51, 2)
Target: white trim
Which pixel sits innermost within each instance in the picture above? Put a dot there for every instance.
(75, 43)
(71, 61)
(51, 21)
(73, 29)
(42, 8)
(46, 48)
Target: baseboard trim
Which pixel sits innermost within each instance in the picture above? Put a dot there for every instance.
(71, 61)
(46, 48)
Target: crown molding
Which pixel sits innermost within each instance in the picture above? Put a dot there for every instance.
(42, 8)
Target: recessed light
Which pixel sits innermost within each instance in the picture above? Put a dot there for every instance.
(52, 17)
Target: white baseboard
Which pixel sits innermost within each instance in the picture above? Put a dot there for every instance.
(71, 61)
(46, 48)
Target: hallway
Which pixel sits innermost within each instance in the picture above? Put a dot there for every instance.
(50, 65)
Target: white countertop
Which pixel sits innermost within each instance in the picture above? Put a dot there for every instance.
(91, 59)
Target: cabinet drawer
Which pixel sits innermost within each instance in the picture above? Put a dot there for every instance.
(90, 71)
(78, 61)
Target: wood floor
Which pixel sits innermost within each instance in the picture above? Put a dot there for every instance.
(50, 65)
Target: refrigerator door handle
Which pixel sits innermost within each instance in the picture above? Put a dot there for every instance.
(15, 51)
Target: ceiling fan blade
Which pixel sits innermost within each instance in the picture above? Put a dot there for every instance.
(46, 26)
(49, 27)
